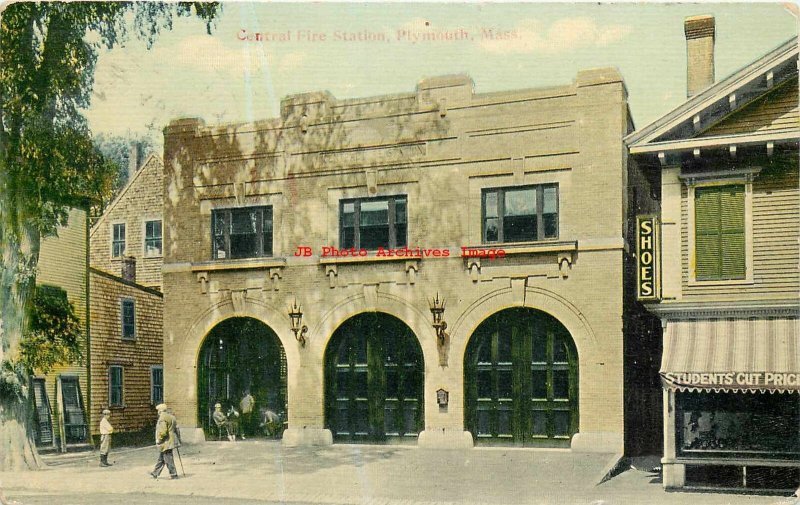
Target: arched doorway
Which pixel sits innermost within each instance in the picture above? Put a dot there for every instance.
(374, 380)
(241, 355)
(521, 380)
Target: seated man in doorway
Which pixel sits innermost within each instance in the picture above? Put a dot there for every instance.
(221, 420)
(270, 422)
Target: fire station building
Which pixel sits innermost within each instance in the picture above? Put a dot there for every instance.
(441, 267)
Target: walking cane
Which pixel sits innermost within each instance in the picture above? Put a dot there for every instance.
(180, 460)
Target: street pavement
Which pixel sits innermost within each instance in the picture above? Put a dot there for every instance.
(265, 472)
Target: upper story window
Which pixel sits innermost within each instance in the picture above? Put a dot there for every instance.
(117, 240)
(370, 223)
(128, 319)
(720, 242)
(520, 214)
(241, 233)
(152, 238)
(115, 386)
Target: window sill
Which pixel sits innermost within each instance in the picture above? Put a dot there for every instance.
(371, 257)
(154, 256)
(526, 247)
(240, 264)
(732, 461)
(733, 282)
(128, 339)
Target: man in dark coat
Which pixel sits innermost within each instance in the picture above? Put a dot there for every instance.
(167, 438)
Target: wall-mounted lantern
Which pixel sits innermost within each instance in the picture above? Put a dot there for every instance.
(298, 328)
(440, 325)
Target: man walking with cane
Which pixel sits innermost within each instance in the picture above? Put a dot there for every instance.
(167, 440)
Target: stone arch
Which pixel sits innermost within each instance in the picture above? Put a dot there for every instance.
(277, 320)
(535, 298)
(417, 320)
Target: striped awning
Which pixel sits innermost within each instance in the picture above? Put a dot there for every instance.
(732, 355)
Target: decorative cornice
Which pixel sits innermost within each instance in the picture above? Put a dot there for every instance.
(746, 174)
(726, 310)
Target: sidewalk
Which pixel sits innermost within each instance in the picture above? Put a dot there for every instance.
(364, 475)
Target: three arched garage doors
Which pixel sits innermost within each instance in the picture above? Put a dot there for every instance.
(520, 377)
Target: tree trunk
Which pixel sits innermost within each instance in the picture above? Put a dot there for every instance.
(19, 246)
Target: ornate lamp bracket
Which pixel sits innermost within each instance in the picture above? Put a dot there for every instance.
(440, 325)
(298, 328)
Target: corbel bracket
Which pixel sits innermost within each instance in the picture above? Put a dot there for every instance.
(202, 278)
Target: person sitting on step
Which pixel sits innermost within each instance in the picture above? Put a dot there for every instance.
(221, 420)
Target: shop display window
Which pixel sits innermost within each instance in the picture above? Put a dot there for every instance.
(738, 425)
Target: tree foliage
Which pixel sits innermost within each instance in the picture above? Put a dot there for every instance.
(116, 148)
(49, 51)
(48, 164)
(54, 335)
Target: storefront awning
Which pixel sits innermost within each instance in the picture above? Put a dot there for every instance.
(732, 355)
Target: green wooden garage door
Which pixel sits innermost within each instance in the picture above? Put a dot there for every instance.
(374, 377)
(521, 380)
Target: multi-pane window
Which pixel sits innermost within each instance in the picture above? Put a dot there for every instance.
(128, 319)
(152, 238)
(117, 240)
(115, 385)
(156, 385)
(520, 214)
(719, 232)
(373, 223)
(241, 233)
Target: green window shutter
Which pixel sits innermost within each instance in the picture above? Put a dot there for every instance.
(719, 233)
(707, 235)
(732, 232)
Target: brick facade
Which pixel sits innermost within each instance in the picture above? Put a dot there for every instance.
(441, 146)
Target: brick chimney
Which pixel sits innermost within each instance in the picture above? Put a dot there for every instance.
(699, 53)
(133, 159)
(129, 268)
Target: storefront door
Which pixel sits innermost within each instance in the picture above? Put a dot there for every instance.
(374, 380)
(521, 380)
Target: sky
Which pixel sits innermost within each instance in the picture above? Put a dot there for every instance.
(367, 49)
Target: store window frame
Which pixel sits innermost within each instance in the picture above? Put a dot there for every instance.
(711, 447)
(539, 232)
(397, 230)
(263, 234)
